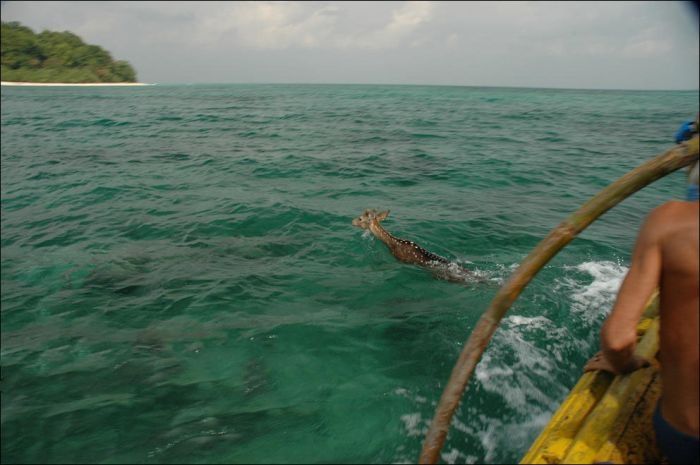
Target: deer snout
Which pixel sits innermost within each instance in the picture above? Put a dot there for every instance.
(360, 223)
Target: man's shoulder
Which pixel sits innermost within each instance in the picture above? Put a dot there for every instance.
(672, 215)
(672, 208)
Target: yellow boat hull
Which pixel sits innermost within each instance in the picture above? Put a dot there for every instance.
(607, 418)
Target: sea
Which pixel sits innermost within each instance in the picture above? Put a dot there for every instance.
(181, 281)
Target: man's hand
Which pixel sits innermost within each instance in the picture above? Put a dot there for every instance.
(599, 362)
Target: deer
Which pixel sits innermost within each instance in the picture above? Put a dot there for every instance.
(411, 253)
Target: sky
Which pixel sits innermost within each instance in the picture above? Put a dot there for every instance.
(581, 45)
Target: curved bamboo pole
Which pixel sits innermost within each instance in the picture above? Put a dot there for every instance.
(671, 160)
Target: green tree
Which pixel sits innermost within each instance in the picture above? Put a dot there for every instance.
(18, 45)
(52, 56)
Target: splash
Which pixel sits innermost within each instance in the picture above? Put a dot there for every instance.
(596, 298)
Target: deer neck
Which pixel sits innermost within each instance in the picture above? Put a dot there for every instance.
(382, 234)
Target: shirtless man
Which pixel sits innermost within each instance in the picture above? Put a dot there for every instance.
(665, 256)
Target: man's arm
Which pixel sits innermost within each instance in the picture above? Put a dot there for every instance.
(619, 332)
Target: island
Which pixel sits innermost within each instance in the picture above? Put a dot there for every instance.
(57, 58)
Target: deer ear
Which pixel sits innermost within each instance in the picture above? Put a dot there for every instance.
(382, 216)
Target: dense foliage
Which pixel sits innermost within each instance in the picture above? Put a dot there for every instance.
(57, 57)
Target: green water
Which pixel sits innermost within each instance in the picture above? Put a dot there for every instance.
(181, 282)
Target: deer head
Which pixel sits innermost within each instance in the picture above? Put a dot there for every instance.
(363, 221)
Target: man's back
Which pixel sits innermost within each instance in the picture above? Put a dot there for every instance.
(665, 256)
(675, 226)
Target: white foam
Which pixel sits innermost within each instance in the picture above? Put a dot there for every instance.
(499, 435)
(405, 393)
(531, 322)
(527, 350)
(455, 456)
(499, 275)
(597, 297)
(485, 371)
(414, 424)
(516, 362)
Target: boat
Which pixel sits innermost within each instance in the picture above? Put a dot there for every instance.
(606, 418)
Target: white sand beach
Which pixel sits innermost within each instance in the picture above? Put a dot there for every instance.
(89, 84)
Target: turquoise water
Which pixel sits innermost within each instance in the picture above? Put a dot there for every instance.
(181, 282)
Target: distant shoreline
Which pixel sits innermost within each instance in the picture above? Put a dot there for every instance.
(87, 84)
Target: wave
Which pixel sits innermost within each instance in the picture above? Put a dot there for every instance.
(149, 222)
(595, 299)
(529, 357)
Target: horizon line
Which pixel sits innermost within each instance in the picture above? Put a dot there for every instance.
(31, 84)
(426, 85)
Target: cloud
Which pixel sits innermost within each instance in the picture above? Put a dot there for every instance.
(310, 25)
(405, 21)
(570, 44)
(646, 48)
(267, 25)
